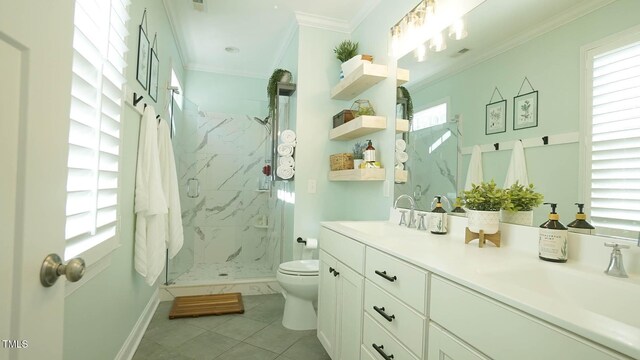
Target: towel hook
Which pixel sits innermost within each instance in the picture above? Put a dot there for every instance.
(136, 99)
(545, 140)
(497, 146)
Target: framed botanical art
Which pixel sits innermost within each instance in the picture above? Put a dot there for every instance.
(525, 111)
(142, 71)
(496, 117)
(153, 70)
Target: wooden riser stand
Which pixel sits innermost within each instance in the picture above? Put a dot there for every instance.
(482, 237)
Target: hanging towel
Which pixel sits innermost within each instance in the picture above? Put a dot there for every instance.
(517, 167)
(474, 174)
(173, 228)
(150, 204)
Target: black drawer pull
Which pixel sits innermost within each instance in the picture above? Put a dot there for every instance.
(335, 273)
(380, 310)
(331, 270)
(387, 277)
(380, 350)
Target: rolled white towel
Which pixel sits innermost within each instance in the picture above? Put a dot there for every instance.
(286, 161)
(288, 136)
(285, 172)
(400, 166)
(401, 145)
(402, 156)
(285, 149)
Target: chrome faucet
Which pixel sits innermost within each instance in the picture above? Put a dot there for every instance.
(412, 219)
(616, 267)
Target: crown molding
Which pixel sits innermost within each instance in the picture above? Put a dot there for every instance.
(322, 22)
(553, 23)
(223, 71)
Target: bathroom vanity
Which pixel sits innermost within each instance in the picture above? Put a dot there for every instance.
(388, 292)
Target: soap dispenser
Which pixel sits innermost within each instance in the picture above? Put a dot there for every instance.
(552, 244)
(369, 153)
(580, 224)
(438, 218)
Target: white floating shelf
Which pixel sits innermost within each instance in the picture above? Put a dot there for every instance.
(402, 75)
(360, 126)
(357, 175)
(402, 126)
(363, 77)
(401, 176)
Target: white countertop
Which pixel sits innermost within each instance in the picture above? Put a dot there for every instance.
(573, 295)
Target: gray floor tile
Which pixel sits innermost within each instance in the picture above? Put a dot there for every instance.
(208, 322)
(247, 352)
(206, 346)
(173, 333)
(150, 350)
(276, 337)
(269, 311)
(307, 348)
(240, 328)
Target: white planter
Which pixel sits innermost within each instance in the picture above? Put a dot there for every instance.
(517, 217)
(352, 64)
(356, 163)
(489, 221)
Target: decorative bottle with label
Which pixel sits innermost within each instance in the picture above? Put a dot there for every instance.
(369, 153)
(580, 224)
(553, 245)
(438, 218)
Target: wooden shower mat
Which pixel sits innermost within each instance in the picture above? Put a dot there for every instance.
(203, 305)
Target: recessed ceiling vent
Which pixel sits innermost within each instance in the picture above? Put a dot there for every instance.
(459, 52)
(198, 5)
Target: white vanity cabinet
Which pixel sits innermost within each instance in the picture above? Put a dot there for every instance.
(341, 287)
(443, 345)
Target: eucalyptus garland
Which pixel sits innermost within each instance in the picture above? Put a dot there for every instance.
(272, 88)
(407, 95)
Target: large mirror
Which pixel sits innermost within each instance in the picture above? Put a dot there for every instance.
(543, 41)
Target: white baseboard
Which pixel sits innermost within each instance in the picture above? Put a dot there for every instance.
(133, 340)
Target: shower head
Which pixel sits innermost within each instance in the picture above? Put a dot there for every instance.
(264, 121)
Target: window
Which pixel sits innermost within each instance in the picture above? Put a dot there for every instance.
(99, 48)
(429, 117)
(613, 136)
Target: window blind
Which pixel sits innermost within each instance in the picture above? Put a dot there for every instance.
(615, 141)
(99, 48)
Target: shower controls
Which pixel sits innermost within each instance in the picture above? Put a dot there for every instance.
(193, 188)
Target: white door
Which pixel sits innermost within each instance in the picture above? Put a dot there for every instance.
(35, 83)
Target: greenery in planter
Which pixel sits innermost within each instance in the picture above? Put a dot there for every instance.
(406, 95)
(272, 88)
(522, 198)
(346, 50)
(485, 197)
(358, 150)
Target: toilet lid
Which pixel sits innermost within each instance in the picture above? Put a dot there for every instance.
(300, 266)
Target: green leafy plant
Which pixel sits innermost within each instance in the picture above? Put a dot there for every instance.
(406, 95)
(522, 198)
(272, 88)
(346, 50)
(485, 197)
(365, 110)
(358, 150)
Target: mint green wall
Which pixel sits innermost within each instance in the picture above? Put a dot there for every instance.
(551, 62)
(101, 314)
(227, 94)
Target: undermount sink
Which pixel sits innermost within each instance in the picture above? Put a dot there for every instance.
(597, 293)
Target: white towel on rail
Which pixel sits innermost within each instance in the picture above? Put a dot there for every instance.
(175, 235)
(517, 167)
(474, 174)
(150, 204)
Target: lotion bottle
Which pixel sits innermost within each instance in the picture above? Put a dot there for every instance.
(370, 153)
(552, 244)
(438, 218)
(580, 224)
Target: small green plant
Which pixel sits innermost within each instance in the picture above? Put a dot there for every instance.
(522, 198)
(346, 50)
(272, 88)
(365, 110)
(485, 197)
(358, 150)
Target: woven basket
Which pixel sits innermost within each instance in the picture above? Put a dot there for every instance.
(343, 161)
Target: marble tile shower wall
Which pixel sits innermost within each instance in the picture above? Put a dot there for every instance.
(225, 153)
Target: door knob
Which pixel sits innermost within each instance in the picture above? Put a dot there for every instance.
(52, 268)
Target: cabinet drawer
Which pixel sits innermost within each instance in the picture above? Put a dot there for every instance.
(398, 278)
(376, 335)
(443, 345)
(346, 250)
(406, 324)
(503, 332)
(365, 354)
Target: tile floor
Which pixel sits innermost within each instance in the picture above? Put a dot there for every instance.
(257, 334)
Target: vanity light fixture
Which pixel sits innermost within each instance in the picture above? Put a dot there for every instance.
(457, 30)
(437, 43)
(421, 53)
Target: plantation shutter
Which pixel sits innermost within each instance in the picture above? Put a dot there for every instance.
(615, 141)
(99, 48)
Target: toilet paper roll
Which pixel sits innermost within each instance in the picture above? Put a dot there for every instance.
(312, 244)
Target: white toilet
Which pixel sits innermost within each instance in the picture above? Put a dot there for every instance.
(299, 281)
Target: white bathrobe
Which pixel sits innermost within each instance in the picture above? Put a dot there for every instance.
(175, 236)
(150, 204)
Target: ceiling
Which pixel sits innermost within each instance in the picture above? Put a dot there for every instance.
(260, 29)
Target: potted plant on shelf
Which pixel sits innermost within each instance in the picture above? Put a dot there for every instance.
(358, 154)
(278, 76)
(347, 53)
(521, 200)
(483, 203)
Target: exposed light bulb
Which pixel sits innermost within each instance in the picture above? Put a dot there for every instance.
(457, 30)
(437, 43)
(421, 53)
